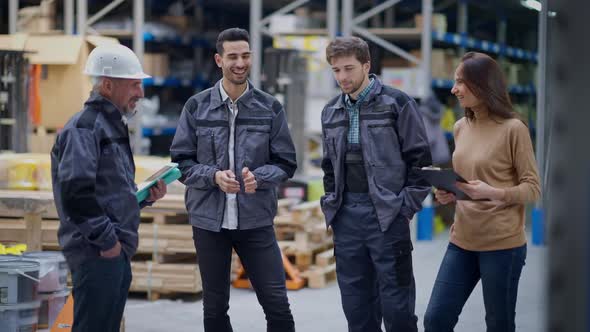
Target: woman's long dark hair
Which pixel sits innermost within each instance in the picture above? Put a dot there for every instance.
(485, 79)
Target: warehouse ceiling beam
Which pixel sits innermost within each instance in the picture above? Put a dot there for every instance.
(69, 17)
(282, 11)
(81, 16)
(385, 44)
(105, 10)
(446, 4)
(462, 21)
(138, 49)
(374, 11)
(12, 15)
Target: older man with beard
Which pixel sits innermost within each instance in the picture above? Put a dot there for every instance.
(93, 185)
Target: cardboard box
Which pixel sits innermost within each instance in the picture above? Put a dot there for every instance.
(41, 141)
(395, 61)
(37, 19)
(181, 23)
(439, 22)
(442, 65)
(32, 20)
(63, 87)
(47, 7)
(288, 23)
(409, 80)
(156, 64)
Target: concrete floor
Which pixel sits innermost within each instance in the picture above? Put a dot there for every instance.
(319, 310)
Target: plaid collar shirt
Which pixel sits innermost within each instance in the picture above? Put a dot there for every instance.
(353, 113)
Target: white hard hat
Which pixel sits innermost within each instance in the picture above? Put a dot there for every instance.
(114, 60)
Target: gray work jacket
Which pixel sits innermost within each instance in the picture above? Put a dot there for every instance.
(262, 143)
(93, 176)
(393, 142)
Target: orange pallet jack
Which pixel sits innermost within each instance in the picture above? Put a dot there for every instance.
(294, 280)
(65, 319)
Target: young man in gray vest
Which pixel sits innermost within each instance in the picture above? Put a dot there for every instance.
(234, 148)
(373, 137)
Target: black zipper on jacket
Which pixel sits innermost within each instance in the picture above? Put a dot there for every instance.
(213, 148)
(236, 170)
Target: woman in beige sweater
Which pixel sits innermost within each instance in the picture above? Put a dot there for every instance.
(493, 151)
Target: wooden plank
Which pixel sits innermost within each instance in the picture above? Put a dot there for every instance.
(166, 278)
(19, 202)
(15, 230)
(166, 231)
(325, 258)
(319, 277)
(13, 203)
(34, 240)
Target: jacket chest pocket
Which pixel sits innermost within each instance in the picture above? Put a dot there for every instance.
(207, 147)
(114, 162)
(383, 144)
(257, 146)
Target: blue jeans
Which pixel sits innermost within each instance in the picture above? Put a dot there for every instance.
(374, 268)
(460, 271)
(100, 291)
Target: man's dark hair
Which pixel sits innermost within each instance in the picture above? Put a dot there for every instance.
(347, 46)
(232, 34)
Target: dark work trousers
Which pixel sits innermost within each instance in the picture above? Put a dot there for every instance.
(100, 288)
(374, 268)
(260, 255)
(460, 271)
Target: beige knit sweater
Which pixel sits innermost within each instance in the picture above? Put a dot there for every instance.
(500, 153)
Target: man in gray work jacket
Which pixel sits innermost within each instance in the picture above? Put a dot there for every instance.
(233, 147)
(94, 190)
(373, 137)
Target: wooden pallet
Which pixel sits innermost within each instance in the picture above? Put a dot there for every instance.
(173, 203)
(157, 279)
(15, 230)
(164, 241)
(325, 258)
(320, 276)
(293, 276)
(323, 271)
(304, 258)
(306, 211)
(29, 206)
(306, 237)
(164, 217)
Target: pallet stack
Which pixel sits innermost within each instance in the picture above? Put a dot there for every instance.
(166, 262)
(305, 243)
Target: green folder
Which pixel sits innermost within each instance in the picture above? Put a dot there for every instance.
(169, 173)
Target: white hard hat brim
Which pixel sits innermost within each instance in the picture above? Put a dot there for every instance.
(138, 76)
